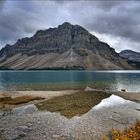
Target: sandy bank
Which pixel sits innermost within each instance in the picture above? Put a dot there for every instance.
(50, 94)
(43, 94)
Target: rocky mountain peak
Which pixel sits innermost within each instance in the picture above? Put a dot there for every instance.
(72, 45)
(65, 25)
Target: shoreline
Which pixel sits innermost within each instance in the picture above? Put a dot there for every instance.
(27, 122)
(46, 95)
(11, 100)
(29, 97)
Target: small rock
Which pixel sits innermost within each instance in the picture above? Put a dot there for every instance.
(56, 136)
(38, 122)
(138, 109)
(88, 88)
(1, 129)
(115, 112)
(21, 136)
(24, 128)
(29, 124)
(40, 104)
(63, 138)
(123, 90)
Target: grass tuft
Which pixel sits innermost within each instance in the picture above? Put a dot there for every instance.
(132, 133)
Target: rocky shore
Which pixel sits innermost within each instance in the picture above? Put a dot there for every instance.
(26, 122)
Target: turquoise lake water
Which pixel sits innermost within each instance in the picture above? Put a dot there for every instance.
(54, 80)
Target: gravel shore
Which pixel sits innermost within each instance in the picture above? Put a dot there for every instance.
(28, 123)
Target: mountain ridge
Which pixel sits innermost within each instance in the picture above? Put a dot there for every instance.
(66, 47)
(130, 55)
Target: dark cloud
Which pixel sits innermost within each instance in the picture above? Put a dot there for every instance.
(122, 20)
(15, 23)
(1, 4)
(118, 18)
(107, 5)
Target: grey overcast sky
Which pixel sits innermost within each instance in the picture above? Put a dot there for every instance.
(116, 22)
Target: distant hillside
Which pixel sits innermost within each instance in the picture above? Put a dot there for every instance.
(131, 55)
(65, 47)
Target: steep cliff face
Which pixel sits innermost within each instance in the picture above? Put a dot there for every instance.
(67, 46)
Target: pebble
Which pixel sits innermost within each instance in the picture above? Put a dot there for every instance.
(56, 136)
(38, 122)
(24, 128)
(1, 129)
(138, 109)
(40, 104)
(21, 136)
(29, 124)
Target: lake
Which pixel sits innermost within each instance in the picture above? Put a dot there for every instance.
(66, 79)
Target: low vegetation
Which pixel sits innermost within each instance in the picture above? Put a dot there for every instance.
(74, 104)
(132, 133)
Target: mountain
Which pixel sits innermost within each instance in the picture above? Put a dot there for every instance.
(65, 47)
(131, 55)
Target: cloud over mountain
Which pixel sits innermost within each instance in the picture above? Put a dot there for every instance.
(118, 20)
